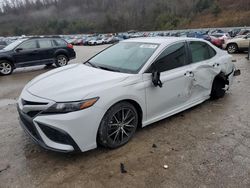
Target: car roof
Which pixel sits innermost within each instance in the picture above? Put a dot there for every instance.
(160, 40)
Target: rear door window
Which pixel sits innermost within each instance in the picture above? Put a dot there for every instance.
(45, 43)
(200, 51)
(59, 43)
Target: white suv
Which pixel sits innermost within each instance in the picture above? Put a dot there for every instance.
(237, 44)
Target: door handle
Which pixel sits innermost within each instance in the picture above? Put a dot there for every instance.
(189, 74)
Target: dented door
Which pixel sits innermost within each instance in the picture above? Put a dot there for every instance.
(205, 66)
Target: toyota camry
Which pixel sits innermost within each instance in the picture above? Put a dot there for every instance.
(131, 84)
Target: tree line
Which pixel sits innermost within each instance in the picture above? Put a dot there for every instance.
(19, 17)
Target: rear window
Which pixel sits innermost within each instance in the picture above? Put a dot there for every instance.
(45, 44)
(59, 42)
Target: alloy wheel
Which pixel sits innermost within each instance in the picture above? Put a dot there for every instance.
(62, 61)
(122, 126)
(232, 48)
(5, 68)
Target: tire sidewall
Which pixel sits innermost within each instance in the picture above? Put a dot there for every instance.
(58, 56)
(235, 46)
(102, 138)
(12, 67)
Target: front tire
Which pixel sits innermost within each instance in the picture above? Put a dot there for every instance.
(6, 67)
(61, 60)
(118, 125)
(232, 48)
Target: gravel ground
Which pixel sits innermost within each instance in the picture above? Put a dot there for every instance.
(206, 146)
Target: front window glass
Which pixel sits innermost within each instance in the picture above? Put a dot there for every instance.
(14, 44)
(126, 57)
(28, 45)
(173, 57)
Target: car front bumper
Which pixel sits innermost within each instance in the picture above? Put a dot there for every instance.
(69, 132)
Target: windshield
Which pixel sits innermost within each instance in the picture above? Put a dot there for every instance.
(128, 57)
(14, 44)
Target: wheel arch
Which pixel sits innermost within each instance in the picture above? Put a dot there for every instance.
(61, 52)
(8, 59)
(232, 43)
(131, 101)
(221, 77)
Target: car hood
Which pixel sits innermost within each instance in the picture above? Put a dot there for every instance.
(73, 82)
(3, 51)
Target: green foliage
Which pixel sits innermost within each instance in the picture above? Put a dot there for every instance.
(166, 21)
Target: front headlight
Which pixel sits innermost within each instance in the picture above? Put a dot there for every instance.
(71, 106)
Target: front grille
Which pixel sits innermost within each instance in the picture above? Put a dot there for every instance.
(24, 102)
(33, 113)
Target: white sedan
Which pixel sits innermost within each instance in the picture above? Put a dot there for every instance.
(129, 85)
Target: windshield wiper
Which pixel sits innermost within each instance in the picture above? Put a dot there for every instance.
(91, 64)
(101, 67)
(108, 69)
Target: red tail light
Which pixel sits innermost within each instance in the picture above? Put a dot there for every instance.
(70, 46)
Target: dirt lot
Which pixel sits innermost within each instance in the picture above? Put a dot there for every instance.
(206, 146)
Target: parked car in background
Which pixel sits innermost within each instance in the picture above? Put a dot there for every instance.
(237, 44)
(96, 41)
(198, 35)
(35, 51)
(129, 85)
(3, 44)
(216, 41)
(243, 32)
(111, 40)
(221, 36)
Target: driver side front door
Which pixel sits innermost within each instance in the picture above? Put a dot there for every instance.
(177, 82)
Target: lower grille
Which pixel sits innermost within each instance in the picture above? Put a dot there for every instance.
(58, 136)
(33, 113)
(29, 126)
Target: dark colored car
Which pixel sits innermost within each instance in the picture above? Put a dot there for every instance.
(35, 51)
(3, 44)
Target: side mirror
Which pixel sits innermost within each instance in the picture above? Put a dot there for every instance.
(19, 49)
(156, 79)
(245, 37)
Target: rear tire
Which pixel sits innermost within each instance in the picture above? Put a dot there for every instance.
(118, 125)
(6, 67)
(218, 89)
(61, 60)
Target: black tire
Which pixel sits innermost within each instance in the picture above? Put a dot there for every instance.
(61, 60)
(112, 133)
(232, 48)
(218, 88)
(6, 68)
